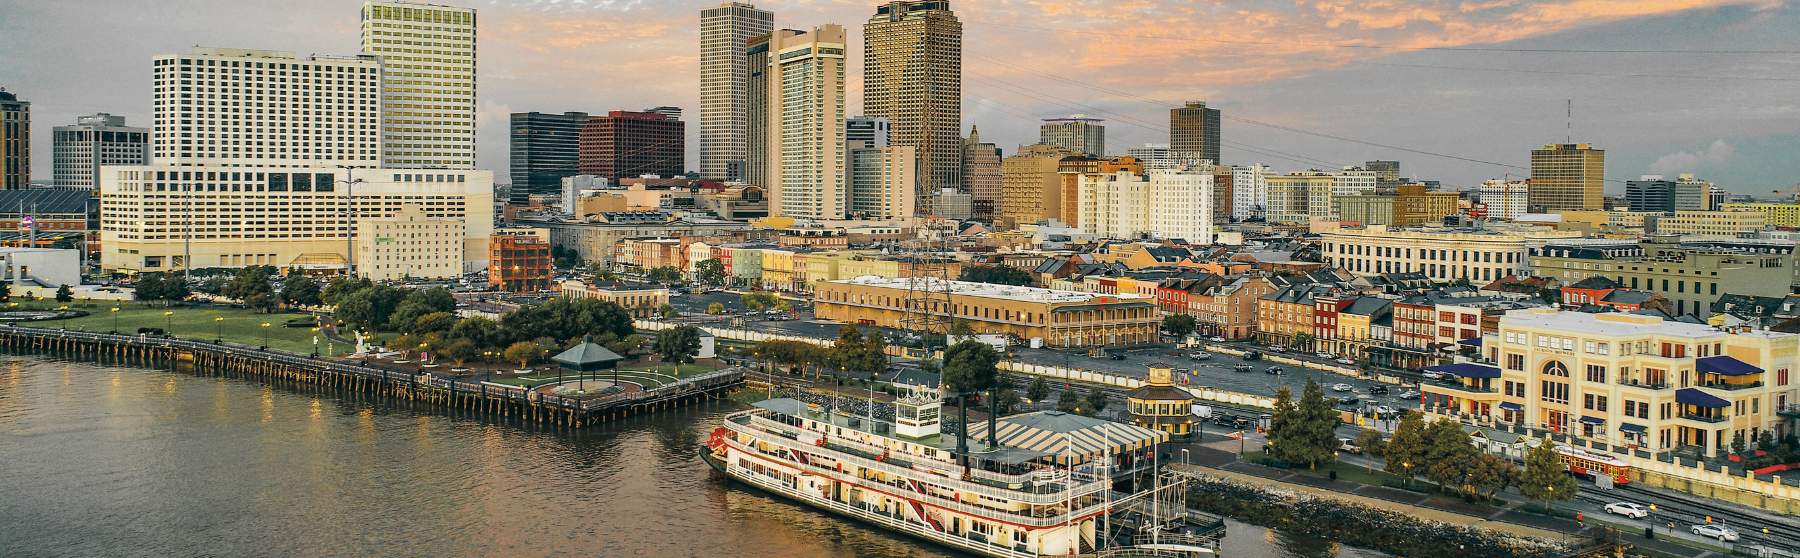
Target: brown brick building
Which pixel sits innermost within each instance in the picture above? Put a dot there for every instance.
(519, 260)
(626, 144)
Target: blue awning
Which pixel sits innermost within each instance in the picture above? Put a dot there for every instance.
(1466, 370)
(1632, 428)
(1725, 366)
(1472, 342)
(1510, 406)
(1592, 420)
(1691, 396)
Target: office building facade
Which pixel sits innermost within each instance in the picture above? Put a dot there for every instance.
(981, 177)
(912, 75)
(1250, 191)
(1505, 200)
(725, 33)
(94, 141)
(263, 108)
(806, 124)
(1031, 186)
(1692, 277)
(882, 182)
(1387, 173)
(545, 149)
(866, 131)
(15, 142)
(1077, 133)
(754, 170)
(429, 120)
(1195, 128)
(1567, 176)
(626, 144)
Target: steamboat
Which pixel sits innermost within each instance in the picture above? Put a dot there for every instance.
(1038, 484)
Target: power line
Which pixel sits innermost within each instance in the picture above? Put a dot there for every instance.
(1386, 47)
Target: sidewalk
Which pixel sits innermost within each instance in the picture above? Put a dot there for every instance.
(1223, 463)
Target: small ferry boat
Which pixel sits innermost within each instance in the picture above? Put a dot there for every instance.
(1044, 490)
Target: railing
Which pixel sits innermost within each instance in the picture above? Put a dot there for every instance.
(1703, 418)
(921, 462)
(1462, 387)
(1732, 387)
(950, 482)
(1636, 384)
(1790, 410)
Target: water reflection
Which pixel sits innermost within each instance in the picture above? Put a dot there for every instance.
(119, 461)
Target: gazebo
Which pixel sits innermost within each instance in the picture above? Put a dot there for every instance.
(586, 357)
(1160, 405)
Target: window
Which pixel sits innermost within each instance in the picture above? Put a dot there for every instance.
(1515, 362)
(1596, 373)
(1556, 368)
(1556, 392)
(1600, 403)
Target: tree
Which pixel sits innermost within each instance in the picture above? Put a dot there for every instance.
(213, 285)
(564, 257)
(1301, 340)
(622, 346)
(1739, 447)
(969, 367)
(1068, 400)
(300, 290)
(710, 271)
(931, 365)
(1766, 441)
(961, 328)
(996, 274)
(759, 301)
(419, 303)
(605, 275)
(715, 308)
(1094, 402)
(435, 322)
(667, 311)
(175, 289)
(665, 274)
(1485, 474)
(1371, 444)
(1283, 423)
(1038, 390)
(1445, 442)
(249, 282)
(1405, 451)
(1546, 477)
(481, 331)
(1460, 282)
(1178, 324)
(1549, 295)
(149, 287)
(1311, 436)
(459, 351)
(678, 345)
(65, 294)
(522, 352)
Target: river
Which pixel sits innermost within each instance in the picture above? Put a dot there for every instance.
(103, 460)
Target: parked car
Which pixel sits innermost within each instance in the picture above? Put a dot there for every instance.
(1408, 394)
(1348, 445)
(1273, 370)
(1322, 354)
(1241, 368)
(1216, 339)
(1201, 356)
(1626, 509)
(1378, 390)
(1278, 349)
(1346, 360)
(1720, 532)
(1342, 387)
(1431, 375)
(1347, 400)
(1383, 411)
(1252, 355)
(1116, 357)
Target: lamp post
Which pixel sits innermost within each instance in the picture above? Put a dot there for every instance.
(169, 323)
(115, 315)
(349, 183)
(220, 321)
(265, 327)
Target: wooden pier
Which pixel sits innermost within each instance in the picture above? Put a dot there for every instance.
(230, 359)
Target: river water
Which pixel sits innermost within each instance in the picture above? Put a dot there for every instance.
(103, 460)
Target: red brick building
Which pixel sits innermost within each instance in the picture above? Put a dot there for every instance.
(626, 144)
(519, 260)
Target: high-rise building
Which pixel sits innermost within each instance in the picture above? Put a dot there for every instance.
(1567, 176)
(725, 78)
(882, 182)
(1076, 133)
(15, 142)
(754, 169)
(1387, 173)
(626, 144)
(806, 158)
(101, 139)
(672, 113)
(545, 149)
(1070, 171)
(1250, 191)
(1160, 204)
(954, 205)
(429, 121)
(297, 126)
(1653, 193)
(1195, 128)
(981, 178)
(871, 131)
(1031, 186)
(1157, 156)
(912, 74)
(1505, 200)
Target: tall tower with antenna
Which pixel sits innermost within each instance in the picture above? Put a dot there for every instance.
(926, 261)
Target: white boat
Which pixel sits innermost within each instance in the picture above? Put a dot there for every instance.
(1045, 490)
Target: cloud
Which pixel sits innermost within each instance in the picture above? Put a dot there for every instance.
(1682, 161)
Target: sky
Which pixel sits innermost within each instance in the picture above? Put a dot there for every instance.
(1458, 91)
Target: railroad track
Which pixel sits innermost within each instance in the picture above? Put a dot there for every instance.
(1684, 512)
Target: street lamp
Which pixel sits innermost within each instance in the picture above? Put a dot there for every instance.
(115, 315)
(265, 327)
(220, 321)
(169, 323)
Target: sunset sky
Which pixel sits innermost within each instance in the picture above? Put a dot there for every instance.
(1480, 80)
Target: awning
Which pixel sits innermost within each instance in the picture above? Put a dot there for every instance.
(1691, 396)
(1510, 406)
(1472, 342)
(1725, 366)
(1592, 420)
(1063, 434)
(1466, 370)
(1632, 428)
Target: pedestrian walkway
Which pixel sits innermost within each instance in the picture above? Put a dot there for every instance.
(1217, 462)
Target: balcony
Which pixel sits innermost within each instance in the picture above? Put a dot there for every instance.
(1731, 387)
(1706, 419)
(1788, 411)
(1459, 386)
(1641, 385)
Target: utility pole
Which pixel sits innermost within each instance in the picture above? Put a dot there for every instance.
(349, 221)
(187, 241)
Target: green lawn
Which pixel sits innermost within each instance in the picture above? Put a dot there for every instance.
(239, 325)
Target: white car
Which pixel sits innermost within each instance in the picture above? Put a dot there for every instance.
(1720, 532)
(1278, 349)
(1408, 394)
(1349, 445)
(1342, 387)
(1630, 510)
(1346, 360)
(1216, 339)
(1324, 355)
(1432, 375)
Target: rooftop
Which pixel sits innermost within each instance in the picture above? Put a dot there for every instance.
(1618, 324)
(986, 290)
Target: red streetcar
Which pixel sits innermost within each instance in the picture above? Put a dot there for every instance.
(1586, 463)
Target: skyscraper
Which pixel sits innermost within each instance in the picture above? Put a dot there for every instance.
(429, 49)
(754, 169)
(981, 178)
(806, 124)
(912, 74)
(882, 180)
(725, 32)
(871, 130)
(15, 142)
(1076, 133)
(1567, 176)
(291, 132)
(544, 148)
(626, 144)
(102, 139)
(1195, 128)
